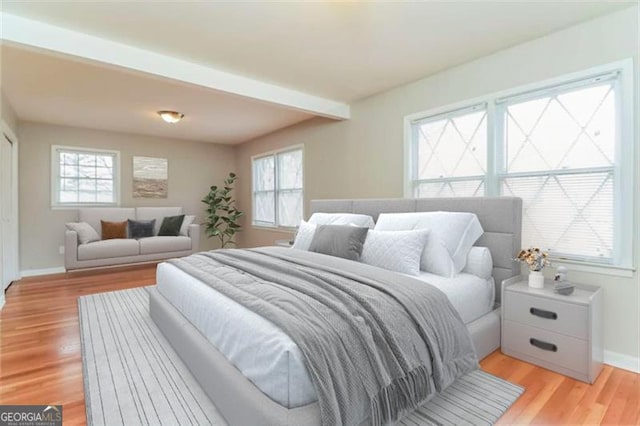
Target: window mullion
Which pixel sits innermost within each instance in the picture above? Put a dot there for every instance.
(414, 159)
(623, 172)
(558, 172)
(452, 179)
(254, 180)
(276, 189)
(491, 187)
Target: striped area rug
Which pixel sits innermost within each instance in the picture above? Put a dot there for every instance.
(132, 375)
(477, 398)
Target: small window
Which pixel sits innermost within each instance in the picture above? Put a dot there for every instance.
(84, 177)
(278, 189)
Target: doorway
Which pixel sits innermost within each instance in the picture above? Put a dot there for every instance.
(9, 269)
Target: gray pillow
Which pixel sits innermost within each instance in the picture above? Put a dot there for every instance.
(86, 233)
(141, 228)
(339, 240)
(171, 226)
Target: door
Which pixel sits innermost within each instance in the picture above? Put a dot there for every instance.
(9, 250)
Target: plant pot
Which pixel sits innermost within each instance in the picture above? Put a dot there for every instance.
(536, 279)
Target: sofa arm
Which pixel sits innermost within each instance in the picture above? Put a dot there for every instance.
(70, 249)
(194, 234)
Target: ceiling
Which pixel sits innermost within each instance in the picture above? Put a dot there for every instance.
(58, 90)
(339, 50)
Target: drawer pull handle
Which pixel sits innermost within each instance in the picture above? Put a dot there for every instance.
(543, 345)
(543, 314)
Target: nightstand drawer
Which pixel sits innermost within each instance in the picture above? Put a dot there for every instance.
(546, 346)
(559, 317)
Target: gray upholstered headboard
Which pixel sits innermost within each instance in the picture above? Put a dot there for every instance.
(501, 219)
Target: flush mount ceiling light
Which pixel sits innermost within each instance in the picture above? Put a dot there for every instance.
(171, 116)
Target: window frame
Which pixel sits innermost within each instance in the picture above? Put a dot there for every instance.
(623, 256)
(276, 189)
(55, 177)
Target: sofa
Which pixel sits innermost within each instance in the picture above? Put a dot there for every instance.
(124, 251)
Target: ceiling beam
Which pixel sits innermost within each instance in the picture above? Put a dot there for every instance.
(16, 29)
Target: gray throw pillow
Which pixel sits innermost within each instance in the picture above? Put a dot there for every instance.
(339, 240)
(171, 226)
(141, 228)
(86, 233)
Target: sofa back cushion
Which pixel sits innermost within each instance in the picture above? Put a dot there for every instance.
(93, 216)
(157, 213)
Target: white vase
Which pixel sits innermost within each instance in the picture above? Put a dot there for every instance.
(536, 279)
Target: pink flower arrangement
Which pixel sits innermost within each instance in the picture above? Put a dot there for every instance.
(535, 258)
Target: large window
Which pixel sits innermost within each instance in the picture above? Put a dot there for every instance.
(278, 188)
(564, 148)
(84, 177)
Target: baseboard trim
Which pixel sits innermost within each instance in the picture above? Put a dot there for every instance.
(46, 271)
(626, 362)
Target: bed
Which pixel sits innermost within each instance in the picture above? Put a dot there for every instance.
(269, 384)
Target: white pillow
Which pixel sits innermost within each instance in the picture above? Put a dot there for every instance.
(186, 222)
(456, 231)
(86, 233)
(436, 258)
(479, 262)
(398, 251)
(342, 219)
(304, 236)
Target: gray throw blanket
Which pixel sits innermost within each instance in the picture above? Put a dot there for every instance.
(376, 343)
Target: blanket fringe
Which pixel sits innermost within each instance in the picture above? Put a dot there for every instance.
(402, 394)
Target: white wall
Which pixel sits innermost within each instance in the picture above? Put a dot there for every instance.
(193, 168)
(363, 157)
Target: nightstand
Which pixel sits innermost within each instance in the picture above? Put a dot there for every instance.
(283, 243)
(560, 333)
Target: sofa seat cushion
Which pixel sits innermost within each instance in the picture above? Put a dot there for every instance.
(164, 244)
(108, 248)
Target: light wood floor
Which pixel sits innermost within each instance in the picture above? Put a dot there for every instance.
(40, 358)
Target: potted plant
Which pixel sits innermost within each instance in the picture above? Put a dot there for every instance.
(536, 259)
(222, 214)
